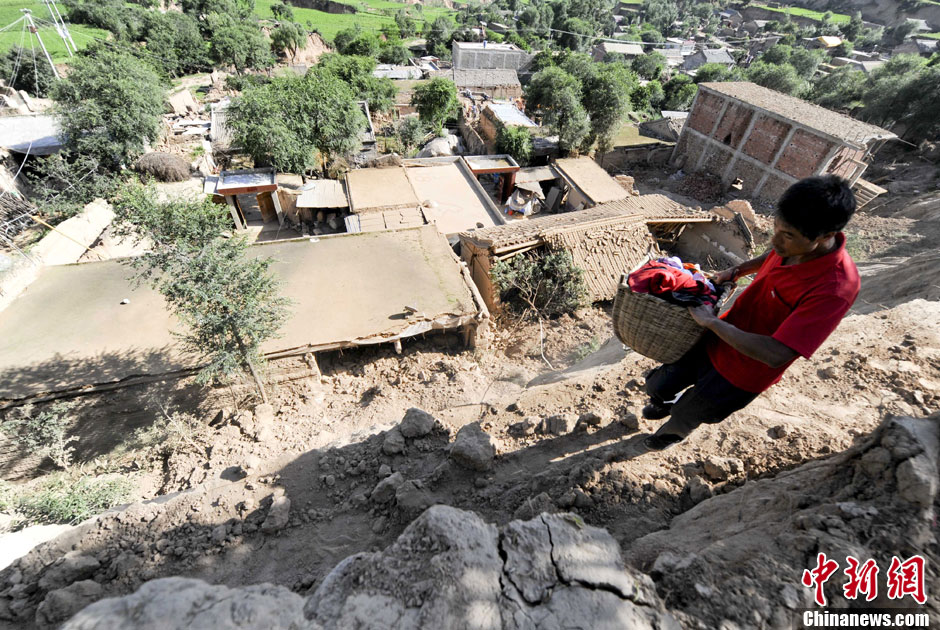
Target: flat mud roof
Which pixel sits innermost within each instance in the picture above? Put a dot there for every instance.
(70, 329)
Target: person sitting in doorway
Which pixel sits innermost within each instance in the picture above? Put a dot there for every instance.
(805, 283)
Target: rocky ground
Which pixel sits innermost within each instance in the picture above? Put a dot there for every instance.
(537, 473)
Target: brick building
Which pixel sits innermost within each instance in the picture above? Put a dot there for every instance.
(768, 140)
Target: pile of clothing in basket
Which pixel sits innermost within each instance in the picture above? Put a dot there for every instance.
(677, 282)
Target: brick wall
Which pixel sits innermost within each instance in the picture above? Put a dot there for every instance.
(804, 154)
(766, 137)
(733, 124)
(703, 116)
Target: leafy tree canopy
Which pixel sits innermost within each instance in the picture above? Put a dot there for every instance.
(650, 65)
(840, 90)
(288, 36)
(227, 299)
(289, 121)
(716, 72)
(238, 43)
(282, 11)
(435, 101)
(783, 78)
(108, 105)
(25, 70)
(517, 142)
(356, 72)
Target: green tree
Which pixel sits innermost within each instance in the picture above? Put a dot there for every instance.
(540, 285)
(435, 101)
(716, 73)
(282, 12)
(438, 37)
(395, 54)
(64, 182)
(227, 299)
(840, 90)
(289, 121)
(679, 92)
(174, 41)
(904, 91)
(606, 97)
(778, 54)
(517, 142)
(23, 71)
(660, 13)
(288, 36)
(650, 65)
(844, 49)
(783, 78)
(806, 61)
(579, 65)
(854, 28)
(411, 131)
(405, 23)
(895, 34)
(356, 72)
(108, 105)
(236, 9)
(578, 35)
(657, 96)
(238, 43)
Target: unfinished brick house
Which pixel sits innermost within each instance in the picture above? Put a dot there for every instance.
(764, 141)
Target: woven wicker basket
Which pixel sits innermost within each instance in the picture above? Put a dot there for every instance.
(654, 327)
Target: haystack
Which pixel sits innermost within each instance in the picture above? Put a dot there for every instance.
(163, 166)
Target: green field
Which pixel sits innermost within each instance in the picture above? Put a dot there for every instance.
(10, 12)
(837, 18)
(929, 35)
(371, 15)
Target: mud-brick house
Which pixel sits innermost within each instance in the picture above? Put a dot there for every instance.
(763, 141)
(609, 239)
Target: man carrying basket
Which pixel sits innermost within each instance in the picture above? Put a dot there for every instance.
(806, 282)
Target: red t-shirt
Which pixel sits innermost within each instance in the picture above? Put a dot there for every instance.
(798, 305)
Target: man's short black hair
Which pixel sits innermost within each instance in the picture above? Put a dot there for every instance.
(817, 205)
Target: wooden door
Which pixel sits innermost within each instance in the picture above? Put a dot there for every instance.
(266, 205)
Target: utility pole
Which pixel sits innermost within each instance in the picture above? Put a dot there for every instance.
(61, 26)
(34, 30)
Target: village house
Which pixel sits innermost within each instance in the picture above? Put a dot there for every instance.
(587, 183)
(917, 46)
(762, 141)
(488, 56)
(708, 55)
(443, 191)
(609, 240)
(497, 115)
(496, 84)
(629, 51)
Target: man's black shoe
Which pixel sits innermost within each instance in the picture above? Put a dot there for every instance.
(656, 411)
(660, 442)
